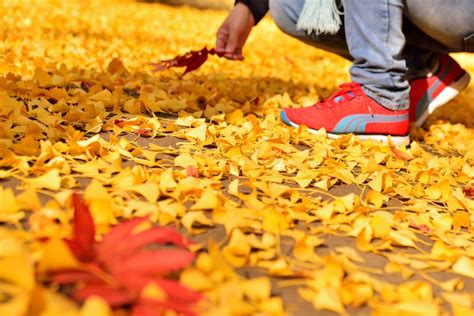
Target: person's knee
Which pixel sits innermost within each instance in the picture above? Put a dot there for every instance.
(284, 15)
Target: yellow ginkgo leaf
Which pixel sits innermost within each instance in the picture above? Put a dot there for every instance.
(198, 133)
(382, 225)
(461, 219)
(185, 160)
(464, 266)
(149, 190)
(414, 307)
(196, 279)
(329, 299)
(56, 256)
(208, 201)
(18, 270)
(9, 204)
(49, 180)
(95, 306)
(433, 192)
(257, 290)
(238, 249)
(167, 182)
(274, 221)
(402, 238)
(375, 198)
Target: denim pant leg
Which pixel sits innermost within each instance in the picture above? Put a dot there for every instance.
(285, 13)
(376, 42)
(436, 26)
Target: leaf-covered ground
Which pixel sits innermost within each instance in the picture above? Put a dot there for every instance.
(285, 222)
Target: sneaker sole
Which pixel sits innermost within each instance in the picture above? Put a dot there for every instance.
(449, 93)
(396, 140)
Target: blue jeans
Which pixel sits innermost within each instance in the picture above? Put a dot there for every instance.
(389, 41)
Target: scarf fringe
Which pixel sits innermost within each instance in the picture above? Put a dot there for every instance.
(320, 17)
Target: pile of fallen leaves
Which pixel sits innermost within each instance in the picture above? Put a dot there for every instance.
(277, 216)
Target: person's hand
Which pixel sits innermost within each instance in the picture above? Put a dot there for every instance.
(233, 33)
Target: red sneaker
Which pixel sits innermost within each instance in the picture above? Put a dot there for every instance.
(350, 110)
(429, 93)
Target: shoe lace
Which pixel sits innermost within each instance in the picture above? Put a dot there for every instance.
(347, 91)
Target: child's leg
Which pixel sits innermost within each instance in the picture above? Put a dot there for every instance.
(376, 42)
(286, 13)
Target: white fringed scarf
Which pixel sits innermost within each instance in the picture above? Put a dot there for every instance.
(320, 16)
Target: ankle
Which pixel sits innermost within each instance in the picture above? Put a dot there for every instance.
(401, 104)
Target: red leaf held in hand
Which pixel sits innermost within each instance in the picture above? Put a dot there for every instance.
(191, 60)
(83, 240)
(196, 62)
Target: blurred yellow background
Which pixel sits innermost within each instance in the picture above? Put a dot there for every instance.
(224, 4)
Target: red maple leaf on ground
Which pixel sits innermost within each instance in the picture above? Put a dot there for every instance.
(125, 262)
(191, 60)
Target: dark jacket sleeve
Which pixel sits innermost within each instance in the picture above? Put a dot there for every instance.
(258, 7)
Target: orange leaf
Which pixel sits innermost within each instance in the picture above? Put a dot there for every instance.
(469, 192)
(192, 171)
(400, 154)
